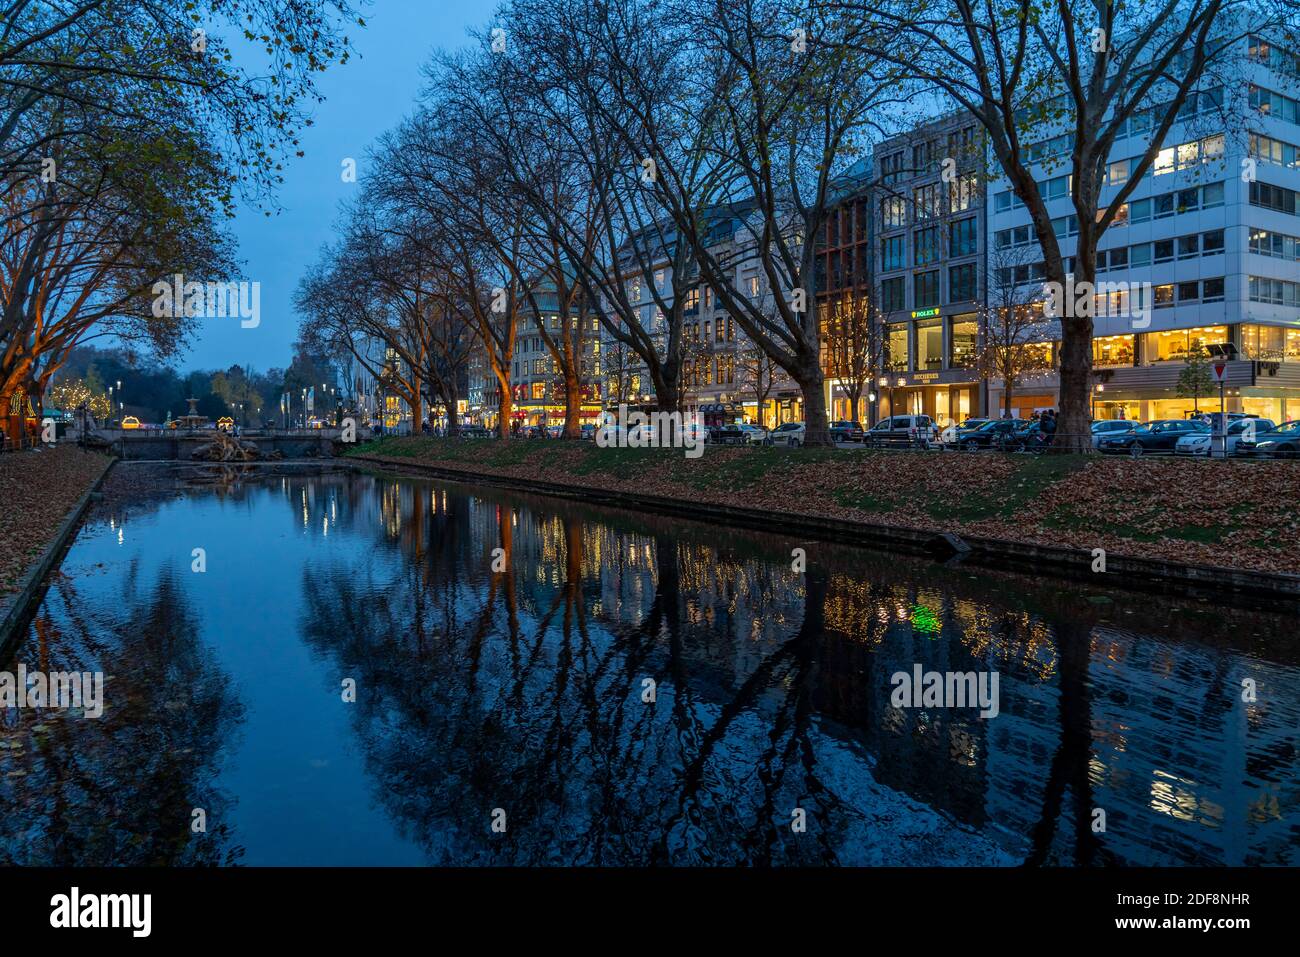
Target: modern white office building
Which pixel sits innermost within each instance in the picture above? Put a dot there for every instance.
(1211, 236)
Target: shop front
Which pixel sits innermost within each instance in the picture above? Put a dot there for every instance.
(776, 410)
(947, 396)
(529, 413)
(716, 414)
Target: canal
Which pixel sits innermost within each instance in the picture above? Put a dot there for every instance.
(367, 669)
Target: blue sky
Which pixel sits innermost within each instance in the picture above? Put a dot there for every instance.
(367, 96)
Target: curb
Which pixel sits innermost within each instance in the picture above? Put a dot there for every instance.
(1126, 572)
(19, 612)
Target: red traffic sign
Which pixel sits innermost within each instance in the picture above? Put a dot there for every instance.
(1221, 371)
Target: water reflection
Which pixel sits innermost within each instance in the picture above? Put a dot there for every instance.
(503, 646)
(89, 791)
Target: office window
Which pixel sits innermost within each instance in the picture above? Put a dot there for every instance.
(893, 211)
(1173, 345)
(1112, 351)
(1273, 197)
(963, 192)
(893, 252)
(1277, 292)
(1187, 155)
(1006, 200)
(963, 237)
(927, 245)
(1055, 188)
(921, 157)
(1066, 226)
(925, 290)
(963, 283)
(893, 295)
(1015, 236)
(1278, 245)
(1268, 150)
(926, 201)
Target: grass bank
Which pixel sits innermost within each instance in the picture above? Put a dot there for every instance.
(1232, 514)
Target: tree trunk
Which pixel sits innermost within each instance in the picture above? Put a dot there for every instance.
(667, 393)
(855, 397)
(453, 417)
(1074, 432)
(815, 420)
(504, 411)
(572, 405)
(417, 405)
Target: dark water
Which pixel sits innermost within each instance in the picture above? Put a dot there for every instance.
(522, 691)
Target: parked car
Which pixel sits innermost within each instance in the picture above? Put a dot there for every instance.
(791, 434)
(1200, 443)
(904, 430)
(1281, 442)
(695, 432)
(992, 433)
(130, 422)
(742, 433)
(1159, 436)
(1104, 427)
(475, 432)
(846, 431)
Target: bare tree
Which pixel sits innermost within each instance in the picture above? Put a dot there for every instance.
(1015, 335)
(757, 374)
(854, 343)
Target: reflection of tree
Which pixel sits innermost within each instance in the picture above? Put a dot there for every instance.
(119, 790)
(532, 706)
(521, 689)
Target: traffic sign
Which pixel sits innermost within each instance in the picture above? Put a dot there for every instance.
(1221, 371)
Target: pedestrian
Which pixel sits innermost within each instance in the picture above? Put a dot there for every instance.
(1048, 426)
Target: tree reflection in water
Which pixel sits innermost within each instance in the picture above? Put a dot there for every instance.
(119, 789)
(502, 644)
(522, 690)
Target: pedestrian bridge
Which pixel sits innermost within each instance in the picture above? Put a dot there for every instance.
(155, 444)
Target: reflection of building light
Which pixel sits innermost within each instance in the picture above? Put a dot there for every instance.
(1172, 796)
(924, 620)
(120, 529)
